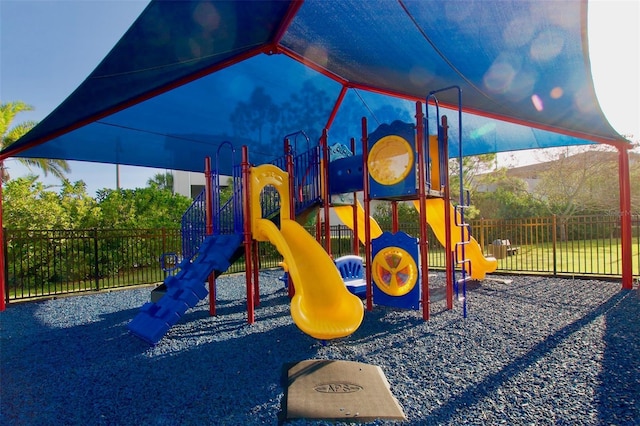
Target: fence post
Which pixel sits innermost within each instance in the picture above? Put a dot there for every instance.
(164, 239)
(554, 238)
(95, 258)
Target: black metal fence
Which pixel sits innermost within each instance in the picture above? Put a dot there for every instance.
(49, 262)
(559, 246)
(53, 262)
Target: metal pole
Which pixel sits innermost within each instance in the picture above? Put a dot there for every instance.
(325, 191)
(3, 288)
(625, 218)
(444, 174)
(394, 216)
(367, 213)
(422, 197)
(292, 212)
(248, 256)
(356, 240)
(208, 200)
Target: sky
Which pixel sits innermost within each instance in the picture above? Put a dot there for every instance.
(42, 61)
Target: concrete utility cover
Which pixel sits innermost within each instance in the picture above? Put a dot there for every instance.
(340, 390)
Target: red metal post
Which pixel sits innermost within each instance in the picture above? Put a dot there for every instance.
(423, 243)
(318, 226)
(289, 166)
(336, 107)
(288, 18)
(356, 240)
(395, 223)
(292, 208)
(324, 142)
(208, 185)
(3, 288)
(367, 213)
(448, 248)
(625, 218)
(256, 273)
(246, 213)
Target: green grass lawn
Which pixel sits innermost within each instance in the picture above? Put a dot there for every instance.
(588, 257)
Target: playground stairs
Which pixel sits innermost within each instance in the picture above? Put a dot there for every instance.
(185, 289)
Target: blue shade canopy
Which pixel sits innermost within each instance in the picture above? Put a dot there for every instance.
(190, 75)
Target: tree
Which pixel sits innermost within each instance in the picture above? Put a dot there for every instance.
(407, 214)
(472, 167)
(582, 183)
(505, 197)
(503, 203)
(29, 204)
(141, 208)
(250, 118)
(10, 135)
(305, 110)
(162, 181)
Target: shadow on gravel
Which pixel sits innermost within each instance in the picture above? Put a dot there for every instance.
(619, 394)
(96, 373)
(490, 384)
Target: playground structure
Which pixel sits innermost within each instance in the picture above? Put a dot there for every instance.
(399, 162)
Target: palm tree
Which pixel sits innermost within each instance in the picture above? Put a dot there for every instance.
(163, 181)
(10, 135)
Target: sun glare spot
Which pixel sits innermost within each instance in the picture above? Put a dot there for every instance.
(317, 54)
(556, 92)
(499, 77)
(547, 46)
(537, 102)
(583, 100)
(522, 85)
(481, 131)
(207, 16)
(518, 32)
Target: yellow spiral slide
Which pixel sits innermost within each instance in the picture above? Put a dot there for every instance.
(322, 307)
(480, 265)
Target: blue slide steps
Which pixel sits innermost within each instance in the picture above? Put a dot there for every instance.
(186, 288)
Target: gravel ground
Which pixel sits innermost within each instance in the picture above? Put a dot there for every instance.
(536, 351)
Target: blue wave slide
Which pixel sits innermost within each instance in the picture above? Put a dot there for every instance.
(186, 288)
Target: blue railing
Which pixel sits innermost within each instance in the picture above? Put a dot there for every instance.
(194, 226)
(228, 219)
(307, 180)
(306, 183)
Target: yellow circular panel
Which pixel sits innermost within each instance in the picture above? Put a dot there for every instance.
(390, 160)
(394, 271)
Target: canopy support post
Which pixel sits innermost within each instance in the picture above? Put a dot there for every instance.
(625, 217)
(3, 289)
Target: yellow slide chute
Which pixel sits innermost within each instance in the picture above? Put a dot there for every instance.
(322, 306)
(345, 214)
(480, 265)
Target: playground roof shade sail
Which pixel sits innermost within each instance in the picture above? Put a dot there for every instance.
(190, 75)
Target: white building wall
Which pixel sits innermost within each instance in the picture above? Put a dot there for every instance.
(190, 184)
